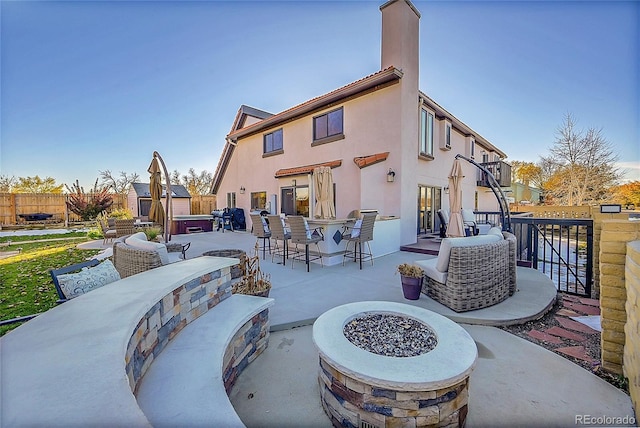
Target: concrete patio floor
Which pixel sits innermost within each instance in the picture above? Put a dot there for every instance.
(515, 383)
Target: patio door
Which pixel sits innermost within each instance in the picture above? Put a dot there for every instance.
(429, 202)
(295, 200)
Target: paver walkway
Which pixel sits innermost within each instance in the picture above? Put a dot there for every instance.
(569, 336)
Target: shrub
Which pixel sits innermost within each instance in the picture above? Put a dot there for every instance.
(120, 213)
(88, 206)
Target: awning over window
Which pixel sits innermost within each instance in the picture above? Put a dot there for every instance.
(307, 169)
(363, 161)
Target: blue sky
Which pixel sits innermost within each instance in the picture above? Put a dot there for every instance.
(90, 86)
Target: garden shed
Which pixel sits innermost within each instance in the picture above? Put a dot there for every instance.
(139, 199)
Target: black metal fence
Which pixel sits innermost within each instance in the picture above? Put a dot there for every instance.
(560, 248)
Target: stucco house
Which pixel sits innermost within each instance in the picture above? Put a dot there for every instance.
(390, 146)
(139, 199)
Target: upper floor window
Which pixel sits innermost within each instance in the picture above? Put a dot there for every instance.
(272, 142)
(328, 127)
(426, 133)
(447, 135)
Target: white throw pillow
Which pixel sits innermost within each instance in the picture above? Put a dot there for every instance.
(161, 249)
(306, 227)
(495, 231)
(138, 235)
(265, 225)
(75, 284)
(355, 232)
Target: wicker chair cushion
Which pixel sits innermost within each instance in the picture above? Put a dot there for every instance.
(447, 243)
(75, 284)
(139, 240)
(429, 268)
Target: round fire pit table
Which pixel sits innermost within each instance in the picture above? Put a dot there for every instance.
(236, 270)
(361, 388)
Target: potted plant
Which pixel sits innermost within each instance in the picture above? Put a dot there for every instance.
(411, 277)
(253, 282)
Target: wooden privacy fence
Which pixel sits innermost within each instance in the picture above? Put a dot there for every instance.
(203, 204)
(14, 204)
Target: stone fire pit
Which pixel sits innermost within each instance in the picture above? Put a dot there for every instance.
(362, 381)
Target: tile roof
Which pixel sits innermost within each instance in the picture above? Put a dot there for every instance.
(299, 170)
(389, 74)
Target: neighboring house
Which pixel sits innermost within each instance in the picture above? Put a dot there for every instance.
(521, 194)
(389, 145)
(139, 199)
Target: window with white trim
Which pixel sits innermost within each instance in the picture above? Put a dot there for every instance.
(426, 133)
(231, 200)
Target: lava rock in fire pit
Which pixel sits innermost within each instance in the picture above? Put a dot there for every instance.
(390, 335)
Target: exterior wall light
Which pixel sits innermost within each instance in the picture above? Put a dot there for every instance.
(391, 176)
(242, 189)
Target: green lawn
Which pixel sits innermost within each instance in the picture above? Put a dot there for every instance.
(25, 283)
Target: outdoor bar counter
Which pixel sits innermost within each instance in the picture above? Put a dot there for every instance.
(386, 237)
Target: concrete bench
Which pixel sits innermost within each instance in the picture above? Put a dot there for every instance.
(80, 363)
(188, 384)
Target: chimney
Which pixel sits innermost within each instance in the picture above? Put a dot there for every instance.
(400, 38)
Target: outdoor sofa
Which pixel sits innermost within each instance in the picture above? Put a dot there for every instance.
(473, 272)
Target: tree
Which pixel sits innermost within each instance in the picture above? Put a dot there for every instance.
(118, 184)
(581, 165)
(527, 173)
(88, 206)
(37, 185)
(7, 183)
(196, 184)
(627, 194)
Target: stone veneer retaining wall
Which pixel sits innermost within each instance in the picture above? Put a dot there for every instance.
(598, 219)
(351, 403)
(185, 304)
(631, 360)
(247, 344)
(613, 294)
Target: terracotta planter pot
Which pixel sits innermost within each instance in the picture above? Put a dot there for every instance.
(411, 287)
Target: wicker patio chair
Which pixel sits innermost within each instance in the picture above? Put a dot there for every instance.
(301, 234)
(125, 227)
(107, 233)
(260, 230)
(129, 260)
(363, 234)
(278, 233)
(478, 276)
